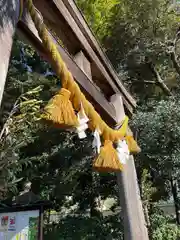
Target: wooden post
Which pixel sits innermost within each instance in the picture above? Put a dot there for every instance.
(132, 211)
(41, 223)
(83, 64)
(131, 206)
(9, 14)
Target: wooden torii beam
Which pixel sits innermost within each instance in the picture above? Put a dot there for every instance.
(99, 83)
(76, 36)
(28, 31)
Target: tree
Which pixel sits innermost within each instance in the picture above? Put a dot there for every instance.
(23, 99)
(98, 14)
(159, 135)
(136, 32)
(163, 227)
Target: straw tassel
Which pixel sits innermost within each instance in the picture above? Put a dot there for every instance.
(60, 111)
(107, 160)
(132, 145)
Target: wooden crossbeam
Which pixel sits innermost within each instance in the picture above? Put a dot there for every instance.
(75, 37)
(27, 29)
(83, 25)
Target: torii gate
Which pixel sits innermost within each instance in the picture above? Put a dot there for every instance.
(92, 71)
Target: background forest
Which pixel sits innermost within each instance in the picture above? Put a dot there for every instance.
(141, 39)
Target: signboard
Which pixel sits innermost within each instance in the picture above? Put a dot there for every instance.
(19, 225)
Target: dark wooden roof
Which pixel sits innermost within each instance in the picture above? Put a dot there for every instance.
(24, 202)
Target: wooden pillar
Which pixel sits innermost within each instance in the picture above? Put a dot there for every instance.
(9, 14)
(41, 223)
(132, 211)
(131, 205)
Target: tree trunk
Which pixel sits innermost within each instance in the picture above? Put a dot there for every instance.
(93, 208)
(175, 61)
(146, 215)
(175, 198)
(159, 80)
(95, 197)
(172, 52)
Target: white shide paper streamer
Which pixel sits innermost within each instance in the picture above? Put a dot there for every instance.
(82, 119)
(97, 141)
(122, 151)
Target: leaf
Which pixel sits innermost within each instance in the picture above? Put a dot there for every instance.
(35, 90)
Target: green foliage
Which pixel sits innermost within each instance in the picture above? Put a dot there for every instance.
(132, 33)
(85, 228)
(98, 14)
(159, 138)
(17, 132)
(146, 23)
(160, 126)
(163, 228)
(147, 188)
(24, 97)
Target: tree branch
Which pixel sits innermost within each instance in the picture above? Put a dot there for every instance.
(159, 80)
(172, 52)
(146, 82)
(140, 81)
(9, 117)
